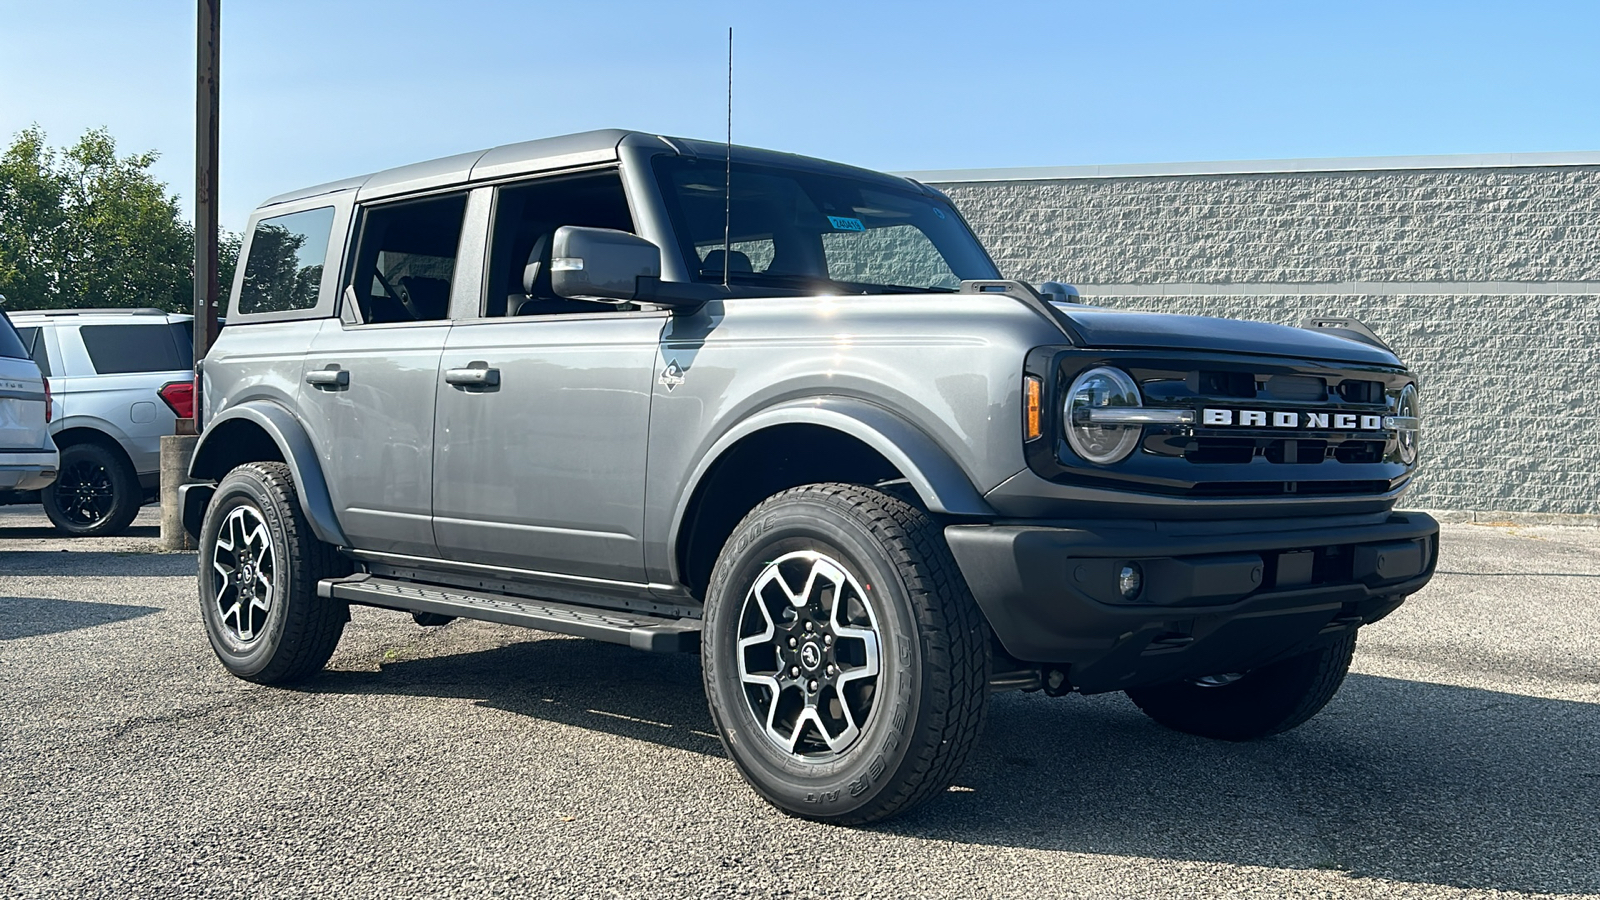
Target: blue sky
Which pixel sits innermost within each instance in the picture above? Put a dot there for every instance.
(314, 91)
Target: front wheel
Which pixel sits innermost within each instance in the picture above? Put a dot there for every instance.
(846, 663)
(1255, 704)
(259, 568)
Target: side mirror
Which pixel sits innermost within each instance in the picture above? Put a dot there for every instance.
(1059, 292)
(601, 264)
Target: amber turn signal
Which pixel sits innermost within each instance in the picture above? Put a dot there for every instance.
(1032, 398)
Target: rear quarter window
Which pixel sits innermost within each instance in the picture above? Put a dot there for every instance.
(284, 270)
(122, 349)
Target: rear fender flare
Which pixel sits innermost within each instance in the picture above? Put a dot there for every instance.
(293, 445)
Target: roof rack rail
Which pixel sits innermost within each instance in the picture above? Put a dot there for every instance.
(127, 311)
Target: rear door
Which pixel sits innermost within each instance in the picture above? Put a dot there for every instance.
(369, 379)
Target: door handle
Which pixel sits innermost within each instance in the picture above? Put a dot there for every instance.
(332, 377)
(476, 374)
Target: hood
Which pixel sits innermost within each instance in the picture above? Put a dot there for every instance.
(1116, 328)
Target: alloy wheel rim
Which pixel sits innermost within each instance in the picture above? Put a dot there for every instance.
(809, 655)
(84, 493)
(244, 574)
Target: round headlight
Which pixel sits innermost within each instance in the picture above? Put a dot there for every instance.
(1408, 424)
(1102, 388)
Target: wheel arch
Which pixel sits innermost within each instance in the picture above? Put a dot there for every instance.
(261, 431)
(804, 442)
(82, 433)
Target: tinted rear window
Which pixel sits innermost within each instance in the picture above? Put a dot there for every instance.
(120, 349)
(10, 344)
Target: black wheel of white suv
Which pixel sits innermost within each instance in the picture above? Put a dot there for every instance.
(845, 661)
(259, 568)
(96, 492)
(1254, 704)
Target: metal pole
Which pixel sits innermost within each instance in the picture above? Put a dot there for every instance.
(208, 60)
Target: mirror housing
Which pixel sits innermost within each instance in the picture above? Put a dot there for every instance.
(613, 266)
(1060, 292)
(601, 264)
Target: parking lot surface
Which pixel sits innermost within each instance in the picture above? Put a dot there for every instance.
(1462, 758)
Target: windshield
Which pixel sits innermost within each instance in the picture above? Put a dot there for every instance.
(797, 229)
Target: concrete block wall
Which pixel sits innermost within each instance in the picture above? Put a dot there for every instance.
(1484, 277)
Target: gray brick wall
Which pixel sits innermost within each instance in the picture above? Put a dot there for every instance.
(1533, 224)
(1510, 373)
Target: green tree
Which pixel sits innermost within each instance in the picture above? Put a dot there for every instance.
(84, 227)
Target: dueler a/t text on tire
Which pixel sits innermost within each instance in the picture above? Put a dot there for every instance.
(1262, 702)
(259, 568)
(845, 661)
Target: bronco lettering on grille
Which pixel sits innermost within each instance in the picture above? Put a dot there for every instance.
(1255, 418)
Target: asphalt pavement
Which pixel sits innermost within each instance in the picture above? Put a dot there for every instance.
(1462, 758)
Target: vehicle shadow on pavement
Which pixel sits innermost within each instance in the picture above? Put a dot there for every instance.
(1396, 779)
(54, 563)
(654, 697)
(25, 617)
(46, 532)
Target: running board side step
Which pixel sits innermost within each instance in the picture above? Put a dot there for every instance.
(637, 630)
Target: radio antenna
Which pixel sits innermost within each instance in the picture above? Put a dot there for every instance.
(727, 174)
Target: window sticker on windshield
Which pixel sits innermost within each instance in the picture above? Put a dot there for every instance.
(845, 223)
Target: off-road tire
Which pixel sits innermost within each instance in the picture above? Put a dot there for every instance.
(125, 500)
(1266, 701)
(931, 697)
(300, 630)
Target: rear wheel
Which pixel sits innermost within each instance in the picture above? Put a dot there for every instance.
(845, 661)
(259, 568)
(96, 492)
(1261, 702)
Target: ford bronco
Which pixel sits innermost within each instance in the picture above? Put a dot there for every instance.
(786, 414)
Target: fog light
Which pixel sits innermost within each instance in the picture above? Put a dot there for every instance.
(1130, 581)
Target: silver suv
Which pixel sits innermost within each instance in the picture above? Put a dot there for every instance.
(119, 378)
(28, 459)
(786, 414)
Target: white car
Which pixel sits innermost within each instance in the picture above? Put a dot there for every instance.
(28, 457)
(118, 380)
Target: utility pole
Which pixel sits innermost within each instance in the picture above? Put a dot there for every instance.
(177, 449)
(208, 64)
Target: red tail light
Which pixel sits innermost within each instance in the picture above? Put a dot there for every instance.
(179, 395)
(49, 414)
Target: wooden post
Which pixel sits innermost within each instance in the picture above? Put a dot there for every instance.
(208, 64)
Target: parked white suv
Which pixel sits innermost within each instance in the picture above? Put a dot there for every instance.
(28, 458)
(118, 379)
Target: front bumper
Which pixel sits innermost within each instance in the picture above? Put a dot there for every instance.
(28, 470)
(1217, 596)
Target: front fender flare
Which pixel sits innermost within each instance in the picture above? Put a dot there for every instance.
(941, 484)
(293, 445)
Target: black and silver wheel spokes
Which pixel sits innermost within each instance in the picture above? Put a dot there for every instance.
(244, 573)
(809, 654)
(84, 493)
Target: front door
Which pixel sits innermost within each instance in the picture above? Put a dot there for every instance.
(540, 459)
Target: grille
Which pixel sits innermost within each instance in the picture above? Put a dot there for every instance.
(1266, 390)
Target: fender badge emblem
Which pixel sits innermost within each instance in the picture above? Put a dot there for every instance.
(672, 376)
